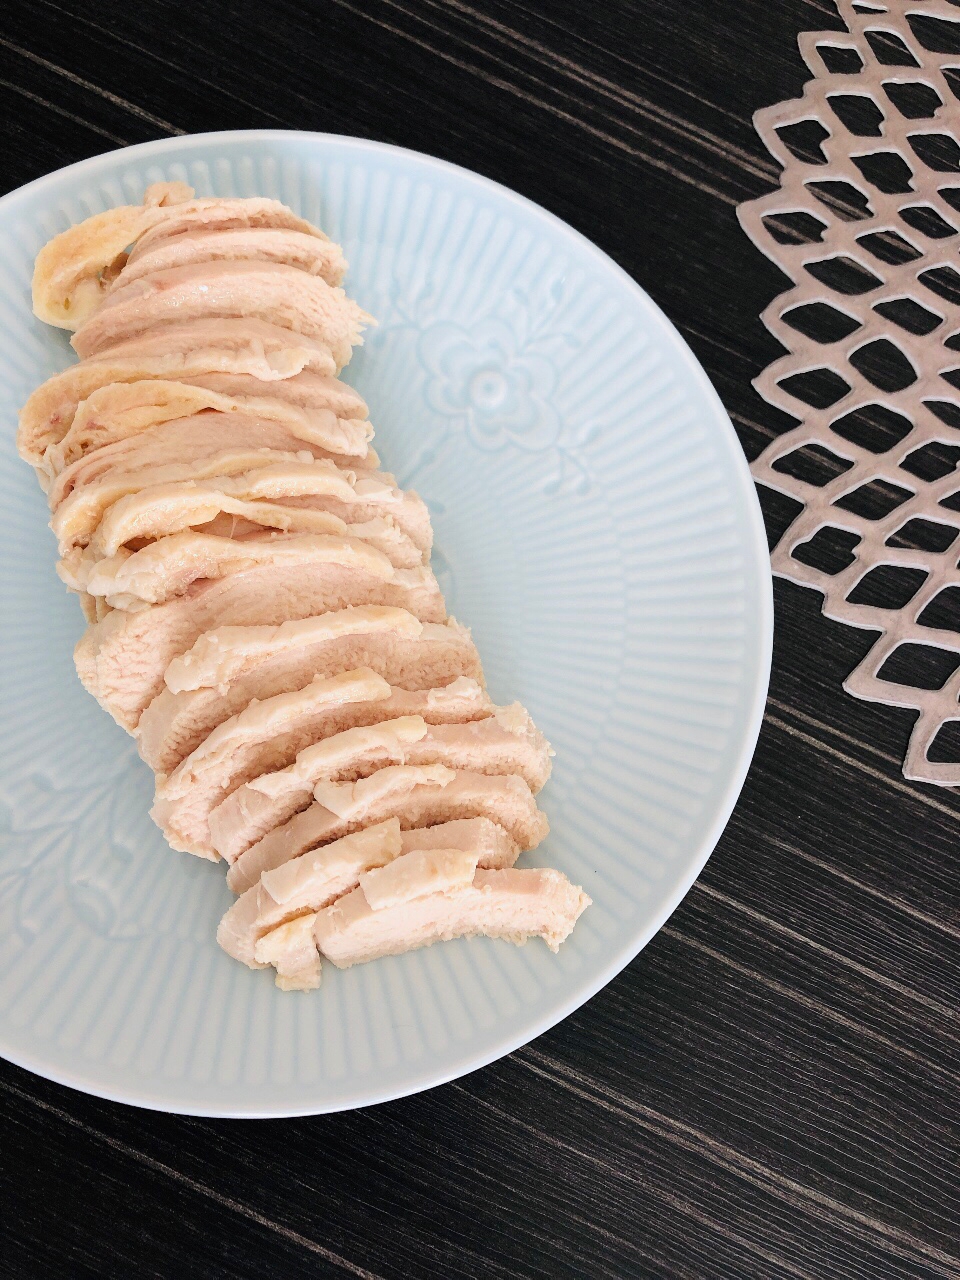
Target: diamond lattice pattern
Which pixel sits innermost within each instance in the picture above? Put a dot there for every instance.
(866, 223)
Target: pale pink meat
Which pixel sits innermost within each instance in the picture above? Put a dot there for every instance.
(297, 492)
(243, 354)
(131, 498)
(262, 615)
(228, 667)
(122, 410)
(297, 734)
(269, 292)
(169, 566)
(265, 735)
(319, 877)
(122, 659)
(216, 213)
(204, 442)
(238, 244)
(419, 796)
(510, 904)
(305, 390)
(485, 745)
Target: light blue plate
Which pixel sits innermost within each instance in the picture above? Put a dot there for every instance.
(597, 528)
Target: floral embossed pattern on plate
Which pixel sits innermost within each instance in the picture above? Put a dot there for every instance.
(596, 527)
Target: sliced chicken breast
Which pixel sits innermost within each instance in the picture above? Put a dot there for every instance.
(68, 275)
(228, 667)
(304, 732)
(224, 545)
(266, 732)
(307, 391)
(122, 410)
(292, 496)
(379, 724)
(276, 294)
(292, 951)
(504, 741)
(168, 567)
(222, 354)
(191, 248)
(223, 516)
(121, 660)
(216, 213)
(206, 446)
(261, 616)
(319, 877)
(510, 904)
(420, 796)
(74, 270)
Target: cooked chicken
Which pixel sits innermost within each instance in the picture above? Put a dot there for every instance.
(68, 282)
(498, 743)
(293, 496)
(225, 517)
(121, 410)
(219, 214)
(229, 667)
(310, 882)
(317, 878)
(292, 951)
(268, 735)
(206, 446)
(190, 248)
(223, 657)
(420, 796)
(301, 731)
(276, 294)
(307, 391)
(510, 904)
(74, 270)
(200, 352)
(121, 506)
(121, 660)
(265, 735)
(262, 615)
(169, 567)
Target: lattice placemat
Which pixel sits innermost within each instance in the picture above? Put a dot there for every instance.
(866, 223)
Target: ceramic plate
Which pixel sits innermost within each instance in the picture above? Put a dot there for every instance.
(595, 525)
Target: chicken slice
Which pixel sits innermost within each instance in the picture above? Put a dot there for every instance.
(232, 357)
(209, 446)
(293, 496)
(121, 659)
(68, 283)
(264, 291)
(419, 796)
(228, 667)
(319, 877)
(215, 213)
(121, 410)
(263, 735)
(510, 904)
(319, 734)
(380, 725)
(74, 270)
(292, 951)
(504, 742)
(190, 248)
(168, 567)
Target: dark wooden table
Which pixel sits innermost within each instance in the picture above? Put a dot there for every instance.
(770, 1089)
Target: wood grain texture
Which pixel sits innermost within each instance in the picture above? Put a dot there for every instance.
(770, 1089)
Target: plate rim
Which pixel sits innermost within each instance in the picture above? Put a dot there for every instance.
(762, 583)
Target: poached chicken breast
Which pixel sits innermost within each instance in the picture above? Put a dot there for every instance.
(262, 614)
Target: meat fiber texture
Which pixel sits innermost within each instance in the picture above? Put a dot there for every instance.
(262, 613)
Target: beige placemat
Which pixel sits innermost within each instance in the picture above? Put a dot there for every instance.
(866, 223)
